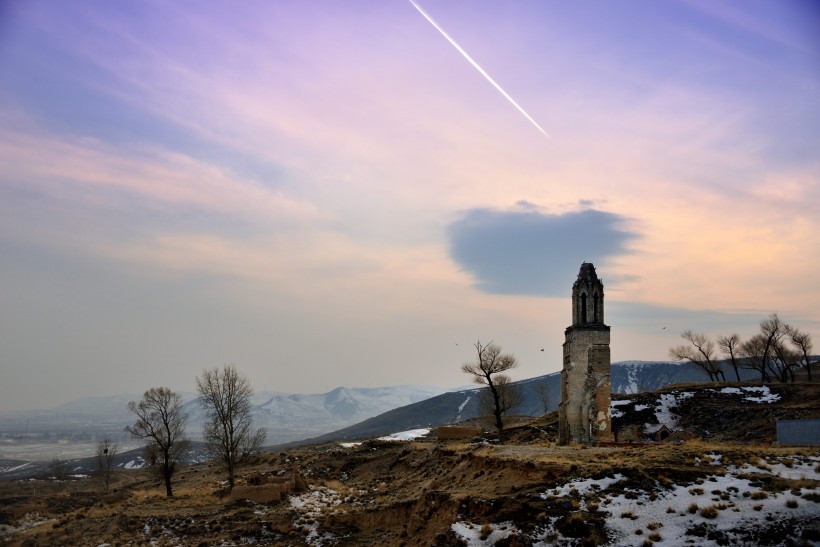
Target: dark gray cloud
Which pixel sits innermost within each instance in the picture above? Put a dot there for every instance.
(526, 252)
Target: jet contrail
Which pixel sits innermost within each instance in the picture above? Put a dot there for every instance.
(481, 70)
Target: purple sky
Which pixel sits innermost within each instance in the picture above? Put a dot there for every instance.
(329, 193)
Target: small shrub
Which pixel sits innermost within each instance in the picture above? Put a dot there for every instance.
(696, 491)
(655, 537)
(791, 504)
(757, 507)
(812, 496)
(670, 509)
(759, 495)
(486, 530)
(629, 515)
(654, 525)
(638, 532)
(709, 512)
(693, 508)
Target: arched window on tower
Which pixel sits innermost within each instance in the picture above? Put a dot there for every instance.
(595, 299)
(583, 308)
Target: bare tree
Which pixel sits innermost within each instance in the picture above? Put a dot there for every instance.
(106, 451)
(785, 360)
(487, 370)
(226, 397)
(700, 351)
(543, 391)
(161, 421)
(773, 329)
(754, 354)
(59, 468)
(803, 343)
(730, 345)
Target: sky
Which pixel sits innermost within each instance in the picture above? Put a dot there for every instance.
(332, 193)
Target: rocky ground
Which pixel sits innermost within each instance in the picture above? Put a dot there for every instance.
(529, 491)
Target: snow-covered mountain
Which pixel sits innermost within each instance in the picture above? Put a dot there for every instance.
(290, 417)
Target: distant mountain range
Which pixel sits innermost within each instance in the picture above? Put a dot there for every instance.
(288, 417)
(343, 413)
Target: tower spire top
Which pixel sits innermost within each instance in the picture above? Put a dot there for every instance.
(587, 298)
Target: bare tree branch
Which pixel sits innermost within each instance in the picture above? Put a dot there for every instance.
(161, 421)
(500, 395)
(729, 345)
(106, 452)
(700, 352)
(225, 395)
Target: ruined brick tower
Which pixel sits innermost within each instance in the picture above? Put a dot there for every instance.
(583, 415)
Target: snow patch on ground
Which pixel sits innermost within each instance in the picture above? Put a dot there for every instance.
(406, 435)
(765, 395)
(29, 520)
(310, 508)
(663, 411)
(473, 533)
(735, 505)
(584, 486)
(792, 468)
(732, 505)
(615, 412)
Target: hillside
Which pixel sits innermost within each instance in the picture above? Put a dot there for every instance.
(456, 406)
(702, 486)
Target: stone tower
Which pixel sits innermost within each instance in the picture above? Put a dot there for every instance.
(585, 379)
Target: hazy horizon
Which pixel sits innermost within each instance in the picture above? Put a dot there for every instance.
(328, 194)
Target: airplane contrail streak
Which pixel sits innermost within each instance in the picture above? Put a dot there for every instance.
(477, 67)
